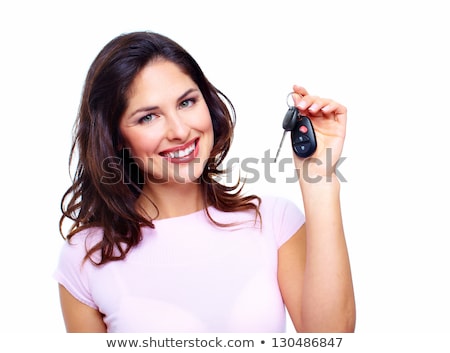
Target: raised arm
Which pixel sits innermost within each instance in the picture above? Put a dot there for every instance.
(314, 268)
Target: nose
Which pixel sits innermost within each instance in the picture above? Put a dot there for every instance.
(176, 128)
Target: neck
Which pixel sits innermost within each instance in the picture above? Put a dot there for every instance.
(170, 200)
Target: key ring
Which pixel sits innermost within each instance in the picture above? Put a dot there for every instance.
(289, 96)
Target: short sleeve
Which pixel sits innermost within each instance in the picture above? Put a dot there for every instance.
(286, 217)
(72, 270)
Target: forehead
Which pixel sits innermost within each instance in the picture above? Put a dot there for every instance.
(160, 77)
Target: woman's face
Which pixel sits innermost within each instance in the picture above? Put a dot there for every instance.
(167, 125)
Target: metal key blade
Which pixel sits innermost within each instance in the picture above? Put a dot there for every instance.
(279, 147)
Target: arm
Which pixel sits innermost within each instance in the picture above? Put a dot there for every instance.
(79, 317)
(314, 268)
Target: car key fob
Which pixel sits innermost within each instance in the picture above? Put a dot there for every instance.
(303, 138)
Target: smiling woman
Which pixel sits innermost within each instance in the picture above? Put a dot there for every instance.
(167, 126)
(157, 244)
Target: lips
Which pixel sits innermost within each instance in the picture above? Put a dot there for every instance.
(182, 154)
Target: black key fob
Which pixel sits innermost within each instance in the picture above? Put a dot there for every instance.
(303, 138)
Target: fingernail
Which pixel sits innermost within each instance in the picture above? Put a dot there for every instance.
(302, 104)
(313, 107)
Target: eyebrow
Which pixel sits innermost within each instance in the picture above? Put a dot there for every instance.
(150, 108)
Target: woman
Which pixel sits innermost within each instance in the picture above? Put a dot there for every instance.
(157, 244)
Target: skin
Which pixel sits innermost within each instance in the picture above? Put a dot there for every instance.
(313, 270)
(177, 116)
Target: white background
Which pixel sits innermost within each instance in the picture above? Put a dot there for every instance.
(387, 61)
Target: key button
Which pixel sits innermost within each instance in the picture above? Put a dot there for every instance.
(302, 138)
(302, 147)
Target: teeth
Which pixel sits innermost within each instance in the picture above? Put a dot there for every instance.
(181, 153)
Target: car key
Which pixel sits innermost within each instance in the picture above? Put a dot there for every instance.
(289, 121)
(281, 144)
(303, 139)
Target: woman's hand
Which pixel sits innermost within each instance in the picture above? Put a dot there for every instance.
(329, 120)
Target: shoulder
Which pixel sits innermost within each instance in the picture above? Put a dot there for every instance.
(282, 216)
(88, 235)
(279, 206)
(85, 238)
(73, 269)
(74, 250)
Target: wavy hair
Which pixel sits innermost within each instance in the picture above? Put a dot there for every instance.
(92, 202)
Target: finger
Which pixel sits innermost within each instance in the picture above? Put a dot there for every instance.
(310, 104)
(334, 109)
(298, 93)
(321, 106)
(330, 107)
(317, 105)
(300, 90)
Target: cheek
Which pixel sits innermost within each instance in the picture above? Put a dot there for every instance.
(141, 145)
(208, 129)
(205, 124)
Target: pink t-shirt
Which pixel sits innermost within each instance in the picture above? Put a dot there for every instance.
(188, 275)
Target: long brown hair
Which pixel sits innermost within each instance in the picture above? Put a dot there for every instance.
(107, 182)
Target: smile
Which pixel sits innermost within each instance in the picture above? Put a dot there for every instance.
(183, 153)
